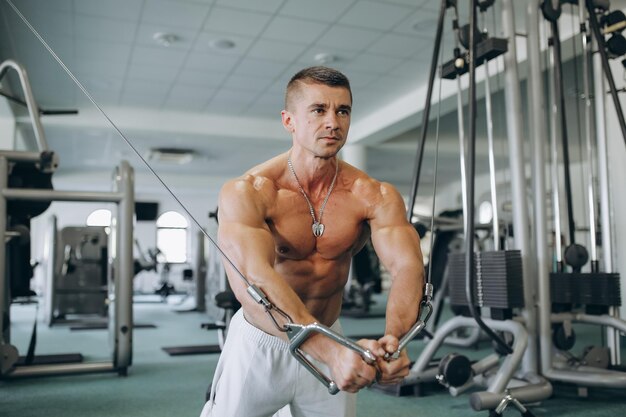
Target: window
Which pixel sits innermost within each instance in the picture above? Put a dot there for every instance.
(172, 237)
(100, 217)
(485, 212)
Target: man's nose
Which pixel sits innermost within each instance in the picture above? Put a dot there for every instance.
(332, 122)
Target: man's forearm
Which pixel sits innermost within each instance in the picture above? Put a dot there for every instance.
(403, 302)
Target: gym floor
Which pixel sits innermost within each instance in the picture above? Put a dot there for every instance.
(159, 385)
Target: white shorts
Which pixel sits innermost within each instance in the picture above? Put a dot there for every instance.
(257, 376)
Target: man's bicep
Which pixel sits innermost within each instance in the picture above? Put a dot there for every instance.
(395, 240)
(243, 232)
(397, 247)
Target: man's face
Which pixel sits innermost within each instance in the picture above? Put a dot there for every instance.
(319, 118)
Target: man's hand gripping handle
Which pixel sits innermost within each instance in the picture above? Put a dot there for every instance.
(298, 333)
(417, 327)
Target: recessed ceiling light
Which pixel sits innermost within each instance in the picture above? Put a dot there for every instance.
(222, 44)
(325, 58)
(165, 39)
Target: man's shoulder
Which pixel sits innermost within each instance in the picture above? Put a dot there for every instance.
(363, 184)
(259, 181)
(249, 183)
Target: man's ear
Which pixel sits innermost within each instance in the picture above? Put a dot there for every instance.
(288, 122)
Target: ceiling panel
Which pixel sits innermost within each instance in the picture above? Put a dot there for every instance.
(150, 72)
(276, 50)
(175, 13)
(95, 84)
(211, 62)
(268, 6)
(395, 45)
(372, 15)
(373, 63)
(349, 38)
(249, 84)
(260, 67)
(422, 22)
(146, 55)
(100, 67)
(322, 10)
(119, 9)
(237, 22)
(146, 33)
(50, 23)
(104, 29)
(115, 52)
(207, 41)
(201, 78)
(298, 30)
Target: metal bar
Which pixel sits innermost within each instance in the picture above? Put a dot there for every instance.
(426, 113)
(33, 110)
(201, 272)
(554, 171)
(298, 334)
(595, 30)
(613, 340)
(537, 109)
(421, 365)
(21, 156)
(589, 138)
(602, 320)
(492, 162)
(560, 100)
(526, 394)
(124, 274)
(53, 195)
(4, 279)
(41, 111)
(61, 369)
(512, 96)
(462, 159)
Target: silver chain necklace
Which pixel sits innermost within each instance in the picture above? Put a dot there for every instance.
(317, 227)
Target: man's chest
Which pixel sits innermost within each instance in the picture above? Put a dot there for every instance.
(291, 223)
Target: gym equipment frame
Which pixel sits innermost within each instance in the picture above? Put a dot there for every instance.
(120, 286)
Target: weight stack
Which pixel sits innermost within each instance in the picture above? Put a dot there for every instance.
(498, 279)
(561, 288)
(456, 279)
(502, 278)
(594, 288)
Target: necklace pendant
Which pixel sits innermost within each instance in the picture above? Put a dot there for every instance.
(318, 229)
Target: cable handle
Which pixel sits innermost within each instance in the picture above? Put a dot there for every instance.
(299, 333)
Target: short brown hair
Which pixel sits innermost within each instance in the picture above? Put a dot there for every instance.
(316, 75)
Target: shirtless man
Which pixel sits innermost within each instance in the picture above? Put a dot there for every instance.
(266, 219)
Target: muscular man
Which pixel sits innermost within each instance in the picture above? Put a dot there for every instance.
(291, 225)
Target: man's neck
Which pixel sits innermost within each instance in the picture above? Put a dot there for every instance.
(315, 174)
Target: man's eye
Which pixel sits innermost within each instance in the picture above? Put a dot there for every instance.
(344, 112)
(318, 111)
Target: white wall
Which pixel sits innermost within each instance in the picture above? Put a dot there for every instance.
(617, 172)
(7, 125)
